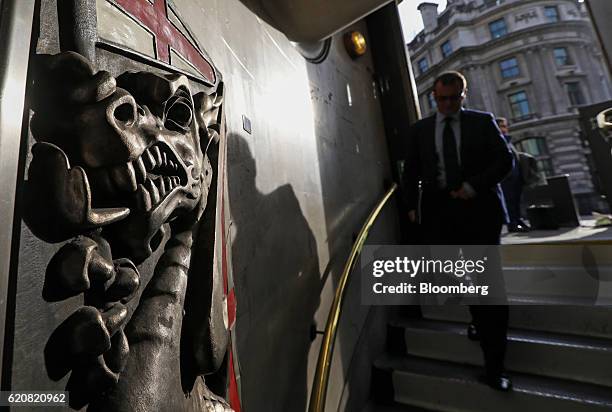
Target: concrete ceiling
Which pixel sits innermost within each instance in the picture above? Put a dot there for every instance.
(309, 21)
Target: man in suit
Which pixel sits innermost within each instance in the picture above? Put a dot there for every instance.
(512, 186)
(455, 161)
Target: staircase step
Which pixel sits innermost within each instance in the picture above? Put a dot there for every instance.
(583, 359)
(595, 321)
(447, 386)
(581, 271)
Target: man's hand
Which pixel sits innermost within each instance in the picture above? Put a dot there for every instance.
(412, 216)
(466, 192)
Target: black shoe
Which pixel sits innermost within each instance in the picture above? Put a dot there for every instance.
(518, 228)
(524, 224)
(499, 382)
(472, 332)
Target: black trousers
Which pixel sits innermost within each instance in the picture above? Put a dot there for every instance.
(447, 221)
(513, 191)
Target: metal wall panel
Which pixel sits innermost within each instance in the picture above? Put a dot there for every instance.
(601, 13)
(16, 18)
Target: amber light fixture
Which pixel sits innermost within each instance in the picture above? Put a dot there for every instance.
(355, 44)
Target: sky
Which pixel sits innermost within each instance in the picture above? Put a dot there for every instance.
(411, 17)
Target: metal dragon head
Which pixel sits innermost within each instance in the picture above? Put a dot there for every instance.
(126, 154)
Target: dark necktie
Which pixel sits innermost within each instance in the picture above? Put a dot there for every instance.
(451, 159)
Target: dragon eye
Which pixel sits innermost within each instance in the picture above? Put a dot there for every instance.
(178, 113)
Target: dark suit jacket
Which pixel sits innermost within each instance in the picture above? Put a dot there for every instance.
(485, 161)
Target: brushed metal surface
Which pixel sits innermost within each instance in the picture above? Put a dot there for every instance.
(16, 18)
(601, 12)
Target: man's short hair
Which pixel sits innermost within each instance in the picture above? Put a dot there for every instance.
(450, 78)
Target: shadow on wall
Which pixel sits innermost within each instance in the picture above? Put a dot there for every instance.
(276, 274)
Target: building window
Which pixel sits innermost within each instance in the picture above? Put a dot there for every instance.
(545, 167)
(562, 57)
(446, 48)
(509, 68)
(498, 28)
(432, 101)
(519, 106)
(536, 146)
(423, 65)
(491, 3)
(574, 93)
(551, 13)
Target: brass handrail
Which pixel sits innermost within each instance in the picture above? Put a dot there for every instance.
(319, 387)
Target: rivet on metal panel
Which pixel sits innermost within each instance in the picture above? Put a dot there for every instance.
(246, 124)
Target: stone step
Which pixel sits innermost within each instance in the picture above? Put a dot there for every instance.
(595, 321)
(566, 254)
(581, 271)
(448, 386)
(582, 359)
(583, 286)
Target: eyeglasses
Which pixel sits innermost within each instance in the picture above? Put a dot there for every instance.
(453, 98)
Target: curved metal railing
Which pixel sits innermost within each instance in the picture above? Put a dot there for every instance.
(319, 387)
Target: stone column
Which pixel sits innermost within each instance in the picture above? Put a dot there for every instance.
(541, 91)
(492, 100)
(475, 92)
(590, 86)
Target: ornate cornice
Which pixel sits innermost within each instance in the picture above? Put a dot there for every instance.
(501, 46)
(446, 30)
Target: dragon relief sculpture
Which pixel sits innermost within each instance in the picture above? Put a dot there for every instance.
(121, 167)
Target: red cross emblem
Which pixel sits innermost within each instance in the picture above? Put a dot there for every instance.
(155, 18)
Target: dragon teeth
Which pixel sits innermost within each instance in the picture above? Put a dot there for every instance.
(153, 191)
(162, 186)
(141, 171)
(143, 199)
(148, 160)
(168, 182)
(157, 155)
(164, 158)
(132, 176)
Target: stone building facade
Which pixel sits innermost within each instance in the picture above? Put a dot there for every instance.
(531, 61)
